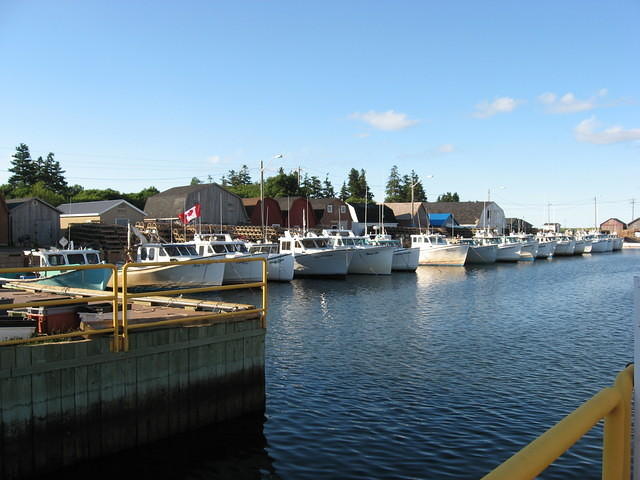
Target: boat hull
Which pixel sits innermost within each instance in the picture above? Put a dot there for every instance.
(508, 253)
(97, 279)
(373, 260)
(565, 248)
(242, 272)
(325, 263)
(600, 246)
(528, 251)
(280, 267)
(405, 259)
(482, 254)
(445, 255)
(546, 249)
(580, 247)
(177, 275)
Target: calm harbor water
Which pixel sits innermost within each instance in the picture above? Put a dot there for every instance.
(439, 374)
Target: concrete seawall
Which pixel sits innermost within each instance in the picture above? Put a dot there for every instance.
(64, 402)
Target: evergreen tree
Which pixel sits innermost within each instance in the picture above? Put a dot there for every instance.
(241, 177)
(282, 185)
(449, 197)
(344, 192)
(393, 189)
(357, 186)
(327, 188)
(24, 169)
(52, 174)
(196, 181)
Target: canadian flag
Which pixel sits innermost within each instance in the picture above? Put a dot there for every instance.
(193, 212)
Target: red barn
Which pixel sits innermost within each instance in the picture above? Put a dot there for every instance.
(272, 212)
(295, 209)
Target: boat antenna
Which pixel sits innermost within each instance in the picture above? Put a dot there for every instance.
(366, 194)
(220, 212)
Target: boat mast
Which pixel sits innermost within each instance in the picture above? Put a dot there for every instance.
(366, 194)
(264, 232)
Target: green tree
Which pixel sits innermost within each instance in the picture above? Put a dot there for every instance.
(52, 175)
(251, 190)
(449, 197)
(327, 188)
(344, 192)
(393, 189)
(282, 185)
(241, 177)
(24, 169)
(357, 186)
(196, 181)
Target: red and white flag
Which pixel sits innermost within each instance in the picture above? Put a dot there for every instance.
(193, 212)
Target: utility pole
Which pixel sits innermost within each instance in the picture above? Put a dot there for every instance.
(633, 205)
(595, 213)
(549, 212)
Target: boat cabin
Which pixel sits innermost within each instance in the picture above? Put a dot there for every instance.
(264, 248)
(55, 258)
(218, 243)
(302, 244)
(166, 252)
(428, 240)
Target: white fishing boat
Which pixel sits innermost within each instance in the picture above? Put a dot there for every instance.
(404, 259)
(479, 253)
(506, 251)
(616, 242)
(93, 279)
(565, 245)
(314, 257)
(599, 242)
(279, 265)
(177, 274)
(212, 244)
(436, 250)
(528, 247)
(546, 247)
(366, 259)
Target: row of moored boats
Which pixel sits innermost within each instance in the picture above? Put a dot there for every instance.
(333, 253)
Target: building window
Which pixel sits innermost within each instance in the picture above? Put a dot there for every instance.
(343, 209)
(329, 208)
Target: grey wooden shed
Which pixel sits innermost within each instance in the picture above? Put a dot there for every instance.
(217, 205)
(33, 223)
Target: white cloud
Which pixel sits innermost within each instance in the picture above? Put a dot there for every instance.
(446, 148)
(585, 131)
(485, 109)
(388, 120)
(568, 103)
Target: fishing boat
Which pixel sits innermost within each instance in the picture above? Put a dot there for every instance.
(528, 245)
(546, 247)
(479, 253)
(314, 257)
(599, 242)
(177, 274)
(565, 245)
(279, 265)
(366, 259)
(94, 279)
(217, 244)
(506, 251)
(404, 259)
(436, 250)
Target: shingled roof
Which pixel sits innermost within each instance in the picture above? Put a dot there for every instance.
(93, 208)
(465, 213)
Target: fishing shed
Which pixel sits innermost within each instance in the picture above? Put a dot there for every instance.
(119, 212)
(33, 223)
(613, 225)
(272, 213)
(4, 223)
(408, 215)
(217, 205)
(471, 214)
(331, 213)
(297, 212)
(373, 215)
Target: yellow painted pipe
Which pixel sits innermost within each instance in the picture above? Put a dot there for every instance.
(543, 451)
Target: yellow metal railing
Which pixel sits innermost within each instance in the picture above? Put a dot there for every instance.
(120, 299)
(613, 404)
(126, 296)
(100, 296)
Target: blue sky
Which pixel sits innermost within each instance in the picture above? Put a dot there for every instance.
(536, 102)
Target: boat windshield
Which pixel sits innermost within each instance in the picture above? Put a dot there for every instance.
(180, 250)
(76, 259)
(56, 259)
(314, 243)
(263, 249)
(437, 240)
(93, 258)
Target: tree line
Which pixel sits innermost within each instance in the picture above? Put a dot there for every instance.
(44, 178)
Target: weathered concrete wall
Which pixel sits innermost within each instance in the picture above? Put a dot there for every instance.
(65, 402)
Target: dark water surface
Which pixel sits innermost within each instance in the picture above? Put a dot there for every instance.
(443, 373)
